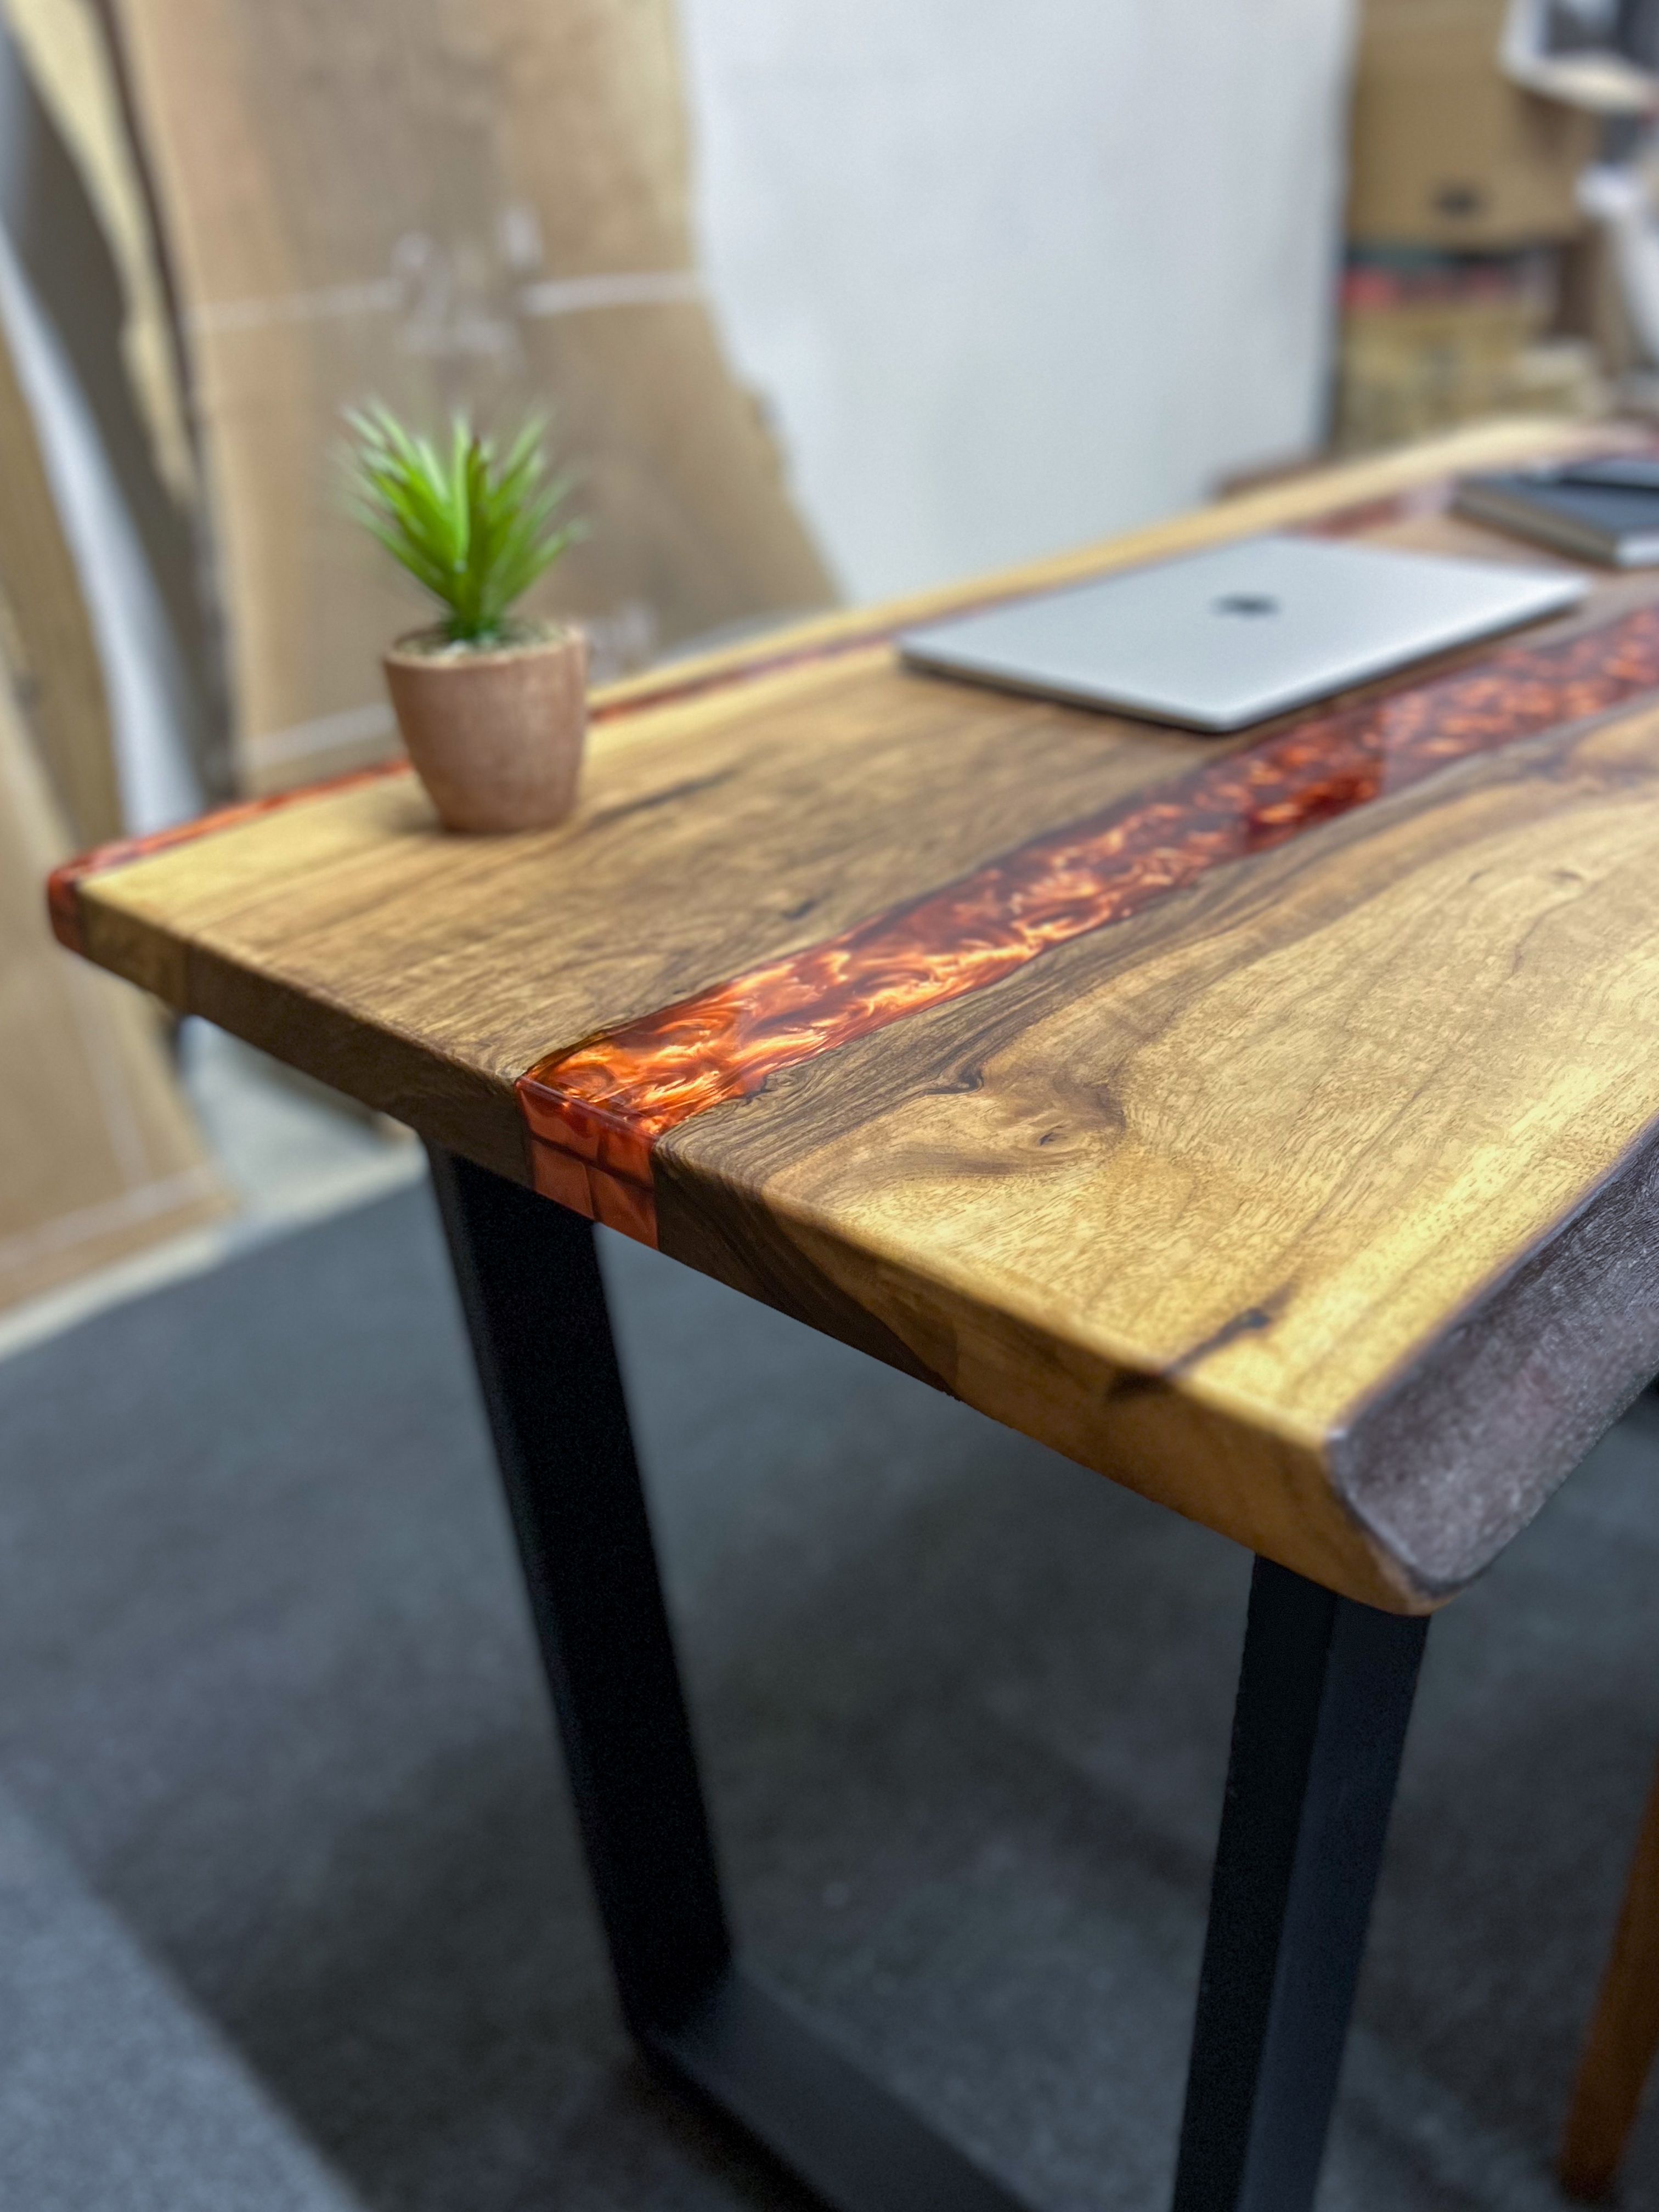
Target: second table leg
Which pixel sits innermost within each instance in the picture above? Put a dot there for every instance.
(1324, 1697)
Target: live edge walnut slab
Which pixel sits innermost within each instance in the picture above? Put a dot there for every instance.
(1272, 1125)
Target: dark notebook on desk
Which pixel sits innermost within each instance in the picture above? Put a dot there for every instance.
(1606, 511)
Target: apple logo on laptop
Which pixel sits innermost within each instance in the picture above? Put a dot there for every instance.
(1245, 603)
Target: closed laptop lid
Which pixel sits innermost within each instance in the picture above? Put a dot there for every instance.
(1220, 640)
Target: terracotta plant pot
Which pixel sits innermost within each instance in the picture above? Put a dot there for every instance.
(495, 732)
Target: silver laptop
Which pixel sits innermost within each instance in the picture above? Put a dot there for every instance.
(1220, 640)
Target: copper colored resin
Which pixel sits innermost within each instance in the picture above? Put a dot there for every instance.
(595, 1112)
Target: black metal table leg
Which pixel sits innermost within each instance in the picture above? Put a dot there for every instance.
(1324, 1697)
(535, 1307)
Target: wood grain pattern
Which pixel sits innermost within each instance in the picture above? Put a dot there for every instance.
(708, 838)
(1266, 1146)
(1311, 1196)
(608, 1102)
(1624, 2033)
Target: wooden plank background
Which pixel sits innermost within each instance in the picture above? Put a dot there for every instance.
(99, 1157)
(442, 202)
(45, 633)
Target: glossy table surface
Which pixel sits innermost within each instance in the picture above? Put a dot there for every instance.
(1267, 1123)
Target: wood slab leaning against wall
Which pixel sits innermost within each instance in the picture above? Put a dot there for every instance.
(46, 634)
(458, 202)
(99, 1157)
(67, 55)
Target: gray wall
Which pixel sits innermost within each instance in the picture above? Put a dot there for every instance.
(1013, 276)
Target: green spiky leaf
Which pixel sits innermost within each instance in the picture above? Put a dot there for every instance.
(474, 527)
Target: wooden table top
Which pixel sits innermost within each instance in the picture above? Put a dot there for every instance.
(1268, 1124)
